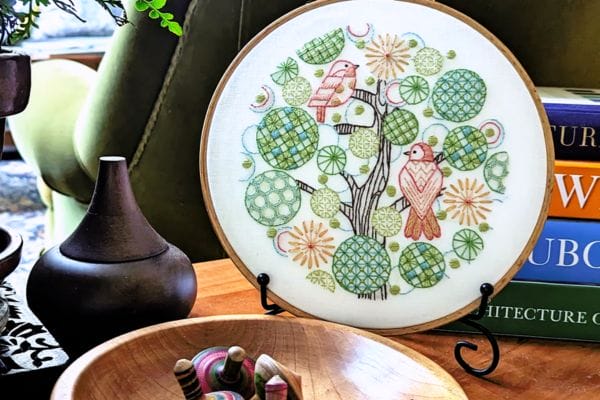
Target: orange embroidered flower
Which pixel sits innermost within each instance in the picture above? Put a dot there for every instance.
(467, 202)
(387, 56)
(310, 244)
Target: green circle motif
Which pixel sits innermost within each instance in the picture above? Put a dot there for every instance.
(361, 265)
(286, 71)
(495, 170)
(400, 127)
(323, 49)
(297, 91)
(387, 221)
(459, 95)
(287, 137)
(465, 148)
(331, 159)
(272, 198)
(325, 203)
(428, 61)
(421, 265)
(364, 143)
(467, 244)
(414, 89)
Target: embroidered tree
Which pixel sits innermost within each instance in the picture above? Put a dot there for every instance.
(287, 138)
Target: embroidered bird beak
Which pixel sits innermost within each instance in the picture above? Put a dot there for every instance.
(406, 153)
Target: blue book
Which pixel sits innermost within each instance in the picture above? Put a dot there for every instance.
(568, 251)
(574, 116)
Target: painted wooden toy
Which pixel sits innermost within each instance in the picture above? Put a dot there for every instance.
(221, 368)
(276, 389)
(188, 380)
(268, 388)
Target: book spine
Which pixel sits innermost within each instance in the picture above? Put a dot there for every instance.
(542, 310)
(575, 131)
(567, 251)
(576, 192)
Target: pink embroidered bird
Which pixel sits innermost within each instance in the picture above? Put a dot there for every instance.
(336, 88)
(420, 182)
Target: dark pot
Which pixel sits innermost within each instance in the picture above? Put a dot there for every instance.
(114, 274)
(15, 82)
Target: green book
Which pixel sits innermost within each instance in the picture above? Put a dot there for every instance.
(542, 310)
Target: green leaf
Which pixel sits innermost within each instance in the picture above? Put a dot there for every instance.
(158, 4)
(164, 23)
(141, 5)
(175, 28)
(154, 14)
(167, 16)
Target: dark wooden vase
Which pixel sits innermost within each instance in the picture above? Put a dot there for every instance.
(114, 274)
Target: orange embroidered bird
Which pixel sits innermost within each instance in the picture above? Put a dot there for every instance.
(336, 88)
(420, 182)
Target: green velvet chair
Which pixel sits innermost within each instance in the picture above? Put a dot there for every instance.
(148, 99)
(146, 102)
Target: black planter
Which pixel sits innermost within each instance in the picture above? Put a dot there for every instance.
(114, 274)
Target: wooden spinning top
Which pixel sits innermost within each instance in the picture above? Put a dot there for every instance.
(266, 369)
(220, 368)
(276, 389)
(186, 376)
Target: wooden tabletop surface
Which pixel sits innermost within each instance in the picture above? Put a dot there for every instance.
(528, 369)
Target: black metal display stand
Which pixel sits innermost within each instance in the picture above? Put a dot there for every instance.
(486, 290)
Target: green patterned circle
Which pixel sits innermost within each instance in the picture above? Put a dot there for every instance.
(287, 137)
(323, 49)
(428, 61)
(414, 89)
(387, 221)
(422, 265)
(465, 148)
(272, 198)
(495, 170)
(400, 127)
(364, 143)
(286, 71)
(325, 202)
(467, 244)
(297, 91)
(361, 265)
(323, 279)
(331, 159)
(459, 95)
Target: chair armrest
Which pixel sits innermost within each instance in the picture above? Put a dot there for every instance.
(43, 133)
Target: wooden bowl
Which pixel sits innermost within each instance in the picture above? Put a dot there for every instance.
(335, 361)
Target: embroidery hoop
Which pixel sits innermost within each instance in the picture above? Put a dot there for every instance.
(545, 170)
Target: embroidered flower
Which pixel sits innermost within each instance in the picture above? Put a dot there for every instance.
(387, 56)
(467, 202)
(310, 244)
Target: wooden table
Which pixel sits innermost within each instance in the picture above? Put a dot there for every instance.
(528, 369)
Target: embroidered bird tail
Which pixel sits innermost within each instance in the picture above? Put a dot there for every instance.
(321, 114)
(428, 226)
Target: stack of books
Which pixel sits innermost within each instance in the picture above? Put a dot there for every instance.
(556, 294)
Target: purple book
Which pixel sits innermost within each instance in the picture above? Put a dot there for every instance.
(574, 116)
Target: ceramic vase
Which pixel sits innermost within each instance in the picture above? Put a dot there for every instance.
(114, 274)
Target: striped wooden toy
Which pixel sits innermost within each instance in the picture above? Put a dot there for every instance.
(186, 376)
(276, 389)
(267, 368)
(221, 368)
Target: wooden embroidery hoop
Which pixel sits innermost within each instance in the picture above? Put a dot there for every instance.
(498, 285)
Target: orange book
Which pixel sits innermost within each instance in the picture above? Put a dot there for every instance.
(576, 192)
